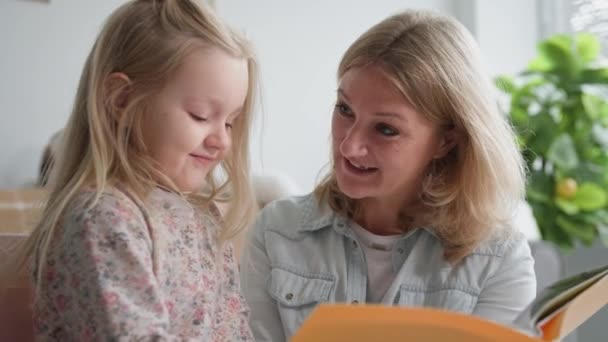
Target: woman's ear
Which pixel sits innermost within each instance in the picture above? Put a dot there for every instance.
(448, 141)
(117, 87)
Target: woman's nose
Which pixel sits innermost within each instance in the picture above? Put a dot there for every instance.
(354, 143)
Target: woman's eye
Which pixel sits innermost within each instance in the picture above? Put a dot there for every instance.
(386, 130)
(343, 109)
(197, 117)
(228, 126)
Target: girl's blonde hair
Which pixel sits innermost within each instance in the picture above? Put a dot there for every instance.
(435, 63)
(147, 41)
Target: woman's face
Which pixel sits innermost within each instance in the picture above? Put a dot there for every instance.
(381, 145)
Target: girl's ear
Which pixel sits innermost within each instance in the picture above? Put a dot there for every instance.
(448, 141)
(118, 87)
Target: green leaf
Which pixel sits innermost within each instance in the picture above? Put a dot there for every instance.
(522, 97)
(541, 63)
(559, 236)
(594, 218)
(544, 215)
(594, 76)
(538, 196)
(602, 230)
(563, 153)
(595, 107)
(556, 50)
(542, 130)
(590, 172)
(566, 206)
(590, 196)
(519, 118)
(506, 84)
(584, 232)
(588, 46)
(600, 135)
(540, 187)
(555, 55)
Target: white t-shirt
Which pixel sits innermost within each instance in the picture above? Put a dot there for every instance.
(379, 258)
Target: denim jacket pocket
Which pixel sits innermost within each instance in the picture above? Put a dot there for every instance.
(444, 298)
(297, 295)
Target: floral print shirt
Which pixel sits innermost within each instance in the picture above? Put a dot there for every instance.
(119, 271)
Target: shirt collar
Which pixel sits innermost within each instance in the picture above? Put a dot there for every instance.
(316, 216)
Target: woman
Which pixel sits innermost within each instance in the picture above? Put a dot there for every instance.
(416, 208)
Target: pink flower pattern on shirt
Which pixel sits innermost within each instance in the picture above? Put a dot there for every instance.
(119, 271)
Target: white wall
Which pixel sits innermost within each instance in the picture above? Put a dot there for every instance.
(507, 32)
(43, 48)
(299, 45)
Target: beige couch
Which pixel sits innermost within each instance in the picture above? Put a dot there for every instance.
(19, 210)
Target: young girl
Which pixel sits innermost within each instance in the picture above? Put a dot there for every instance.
(129, 247)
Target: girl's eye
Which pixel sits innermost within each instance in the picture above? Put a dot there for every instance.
(343, 109)
(228, 126)
(386, 130)
(197, 117)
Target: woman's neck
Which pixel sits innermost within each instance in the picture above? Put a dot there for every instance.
(381, 217)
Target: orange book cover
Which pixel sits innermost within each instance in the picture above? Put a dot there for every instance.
(556, 312)
(358, 323)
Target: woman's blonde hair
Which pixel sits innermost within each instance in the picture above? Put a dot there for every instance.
(147, 41)
(435, 63)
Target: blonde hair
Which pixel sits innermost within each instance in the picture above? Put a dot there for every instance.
(434, 62)
(147, 41)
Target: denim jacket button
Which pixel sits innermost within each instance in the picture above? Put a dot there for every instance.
(400, 250)
(289, 296)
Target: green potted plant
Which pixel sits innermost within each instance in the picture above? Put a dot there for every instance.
(558, 107)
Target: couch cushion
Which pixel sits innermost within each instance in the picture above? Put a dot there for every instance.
(20, 209)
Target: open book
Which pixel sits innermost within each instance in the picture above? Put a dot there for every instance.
(556, 312)
(563, 306)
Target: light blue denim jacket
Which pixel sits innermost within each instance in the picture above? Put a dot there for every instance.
(299, 255)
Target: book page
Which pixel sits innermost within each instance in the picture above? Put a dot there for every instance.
(556, 296)
(567, 318)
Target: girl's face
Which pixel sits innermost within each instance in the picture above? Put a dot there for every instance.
(187, 129)
(381, 145)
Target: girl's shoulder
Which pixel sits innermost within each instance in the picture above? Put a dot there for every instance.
(90, 202)
(105, 218)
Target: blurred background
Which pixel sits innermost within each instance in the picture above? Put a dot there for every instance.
(299, 43)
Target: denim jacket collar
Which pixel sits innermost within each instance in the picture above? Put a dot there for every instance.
(315, 217)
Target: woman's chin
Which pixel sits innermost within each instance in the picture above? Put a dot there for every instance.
(354, 191)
